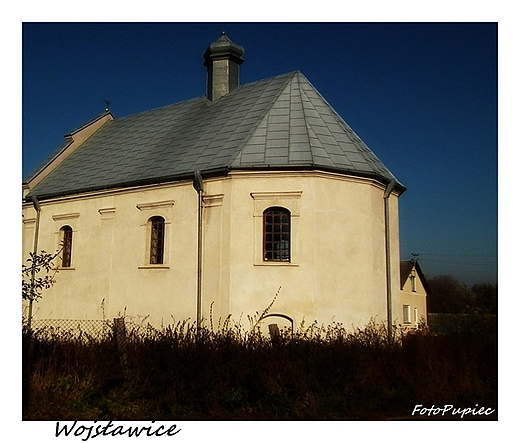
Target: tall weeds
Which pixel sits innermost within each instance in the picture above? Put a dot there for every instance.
(315, 372)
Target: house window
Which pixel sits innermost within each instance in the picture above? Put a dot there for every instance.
(416, 316)
(157, 240)
(277, 234)
(266, 251)
(406, 314)
(414, 283)
(66, 244)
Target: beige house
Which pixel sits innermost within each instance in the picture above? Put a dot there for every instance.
(214, 205)
(414, 290)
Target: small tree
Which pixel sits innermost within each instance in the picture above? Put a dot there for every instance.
(33, 286)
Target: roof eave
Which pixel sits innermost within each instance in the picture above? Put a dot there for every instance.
(399, 188)
(188, 176)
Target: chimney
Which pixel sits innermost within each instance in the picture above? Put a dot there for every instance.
(222, 60)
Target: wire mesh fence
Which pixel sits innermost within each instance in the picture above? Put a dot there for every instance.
(72, 329)
(120, 328)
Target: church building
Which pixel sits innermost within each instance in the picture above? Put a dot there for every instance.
(217, 206)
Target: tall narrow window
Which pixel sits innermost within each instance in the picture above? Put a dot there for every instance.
(414, 283)
(66, 243)
(277, 234)
(406, 314)
(157, 240)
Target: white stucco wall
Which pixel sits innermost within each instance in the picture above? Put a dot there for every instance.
(337, 270)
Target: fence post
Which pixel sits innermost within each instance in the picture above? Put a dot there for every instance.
(120, 337)
(274, 332)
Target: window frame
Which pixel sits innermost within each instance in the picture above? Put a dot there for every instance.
(148, 211)
(276, 234)
(413, 282)
(66, 241)
(157, 237)
(407, 315)
(289, 200)
(70, 220)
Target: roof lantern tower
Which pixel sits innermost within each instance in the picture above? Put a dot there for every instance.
(222, 60)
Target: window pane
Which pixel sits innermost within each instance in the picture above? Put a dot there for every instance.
(157, 240)
(406, 314)
(66, 253)
(277, 234)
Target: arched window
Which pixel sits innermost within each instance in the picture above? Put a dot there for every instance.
(157, 240)
(66, 243)
(277, 234)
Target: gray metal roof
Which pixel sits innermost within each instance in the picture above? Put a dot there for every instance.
(280, 122)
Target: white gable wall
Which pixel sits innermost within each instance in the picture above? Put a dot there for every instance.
(413, 295)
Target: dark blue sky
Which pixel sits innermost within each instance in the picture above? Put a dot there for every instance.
(423, 97)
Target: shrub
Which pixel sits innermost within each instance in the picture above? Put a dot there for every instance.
(316, 372)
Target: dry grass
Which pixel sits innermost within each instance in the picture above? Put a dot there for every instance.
(315, 373)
